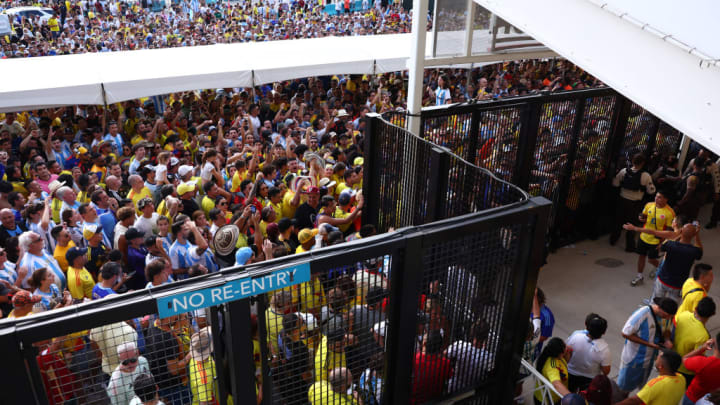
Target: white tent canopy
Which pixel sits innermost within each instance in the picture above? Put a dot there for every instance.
(79, 79)
(661, 54)
(34, 83)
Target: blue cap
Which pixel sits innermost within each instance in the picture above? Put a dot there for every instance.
(242, 256)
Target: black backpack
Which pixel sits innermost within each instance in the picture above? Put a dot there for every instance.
(632, 180)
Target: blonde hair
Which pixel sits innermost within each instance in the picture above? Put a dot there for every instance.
(164, 157)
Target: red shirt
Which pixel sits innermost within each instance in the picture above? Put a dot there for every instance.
(430, 371)
(707, 376)
(59, 381)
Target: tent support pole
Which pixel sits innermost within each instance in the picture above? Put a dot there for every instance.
(253, 84)
(105, 106)
(416, 64)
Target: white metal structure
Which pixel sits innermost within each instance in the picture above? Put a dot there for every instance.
(661, 54)
(539, 383)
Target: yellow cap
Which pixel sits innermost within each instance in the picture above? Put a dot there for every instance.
(306, 235)
(185, 188)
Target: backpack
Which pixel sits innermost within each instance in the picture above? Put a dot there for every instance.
(632, 180)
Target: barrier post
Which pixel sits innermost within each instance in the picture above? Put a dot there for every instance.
(24, 379)
(402, 320)
(240, 351)
(525, 274)
(371, 170)
(530, 121)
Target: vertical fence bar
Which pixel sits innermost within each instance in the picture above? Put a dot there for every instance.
(472, 147)
(525, 275)
(567, 178)
(434, 201)
(29, 353)
(440, 195)
(267, 382)
(652, 140)
(617, 135)
(22, 377)
(371, 170)
(240, 349)
(404, 288)
(221, 348)
(530, 120)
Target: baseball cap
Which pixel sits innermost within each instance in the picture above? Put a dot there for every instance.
(184, 169)
(91, 230)
(185, 188)
(284, 224)
(242, 256)
(313, 190)
(74, 252)
(174, 161)
(22, 298)
(345, 197)
(306, 235)
(359, 161)
(133, 233)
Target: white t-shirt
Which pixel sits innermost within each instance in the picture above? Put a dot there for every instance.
(468, 358)
(206, 171)
(148, 226)
(120, 230)
(120, 388)
(588, 355)
(161, 172)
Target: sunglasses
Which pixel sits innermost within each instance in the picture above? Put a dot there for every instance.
(132, 360)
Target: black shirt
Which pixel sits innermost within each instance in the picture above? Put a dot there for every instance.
(189, 207)
(305, 216)
(679, 259)
(161, 346)
(295, 360)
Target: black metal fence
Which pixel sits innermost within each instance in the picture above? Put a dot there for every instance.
(410, 181)
(564, 146)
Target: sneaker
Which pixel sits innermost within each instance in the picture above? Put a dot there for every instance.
(637, 280)
(653, 273)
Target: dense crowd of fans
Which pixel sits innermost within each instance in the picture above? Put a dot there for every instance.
(96, 202)
(104, 26)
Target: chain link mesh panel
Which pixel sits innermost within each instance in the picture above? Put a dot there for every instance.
(592, 147)
(667, 140)
(116, 363)
(550, 157)
(498, 136)
(452, 132)
(465, 288)
(637, 134)
(404, 178)
(416, 186)
(330, 332)
(473, 189)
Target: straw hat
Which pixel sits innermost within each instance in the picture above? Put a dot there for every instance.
(325, 182)
(55, 185)
(296, 182)
(225, 239)
(201, 344)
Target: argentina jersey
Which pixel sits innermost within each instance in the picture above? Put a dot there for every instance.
(183, 256)
(32, 263)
